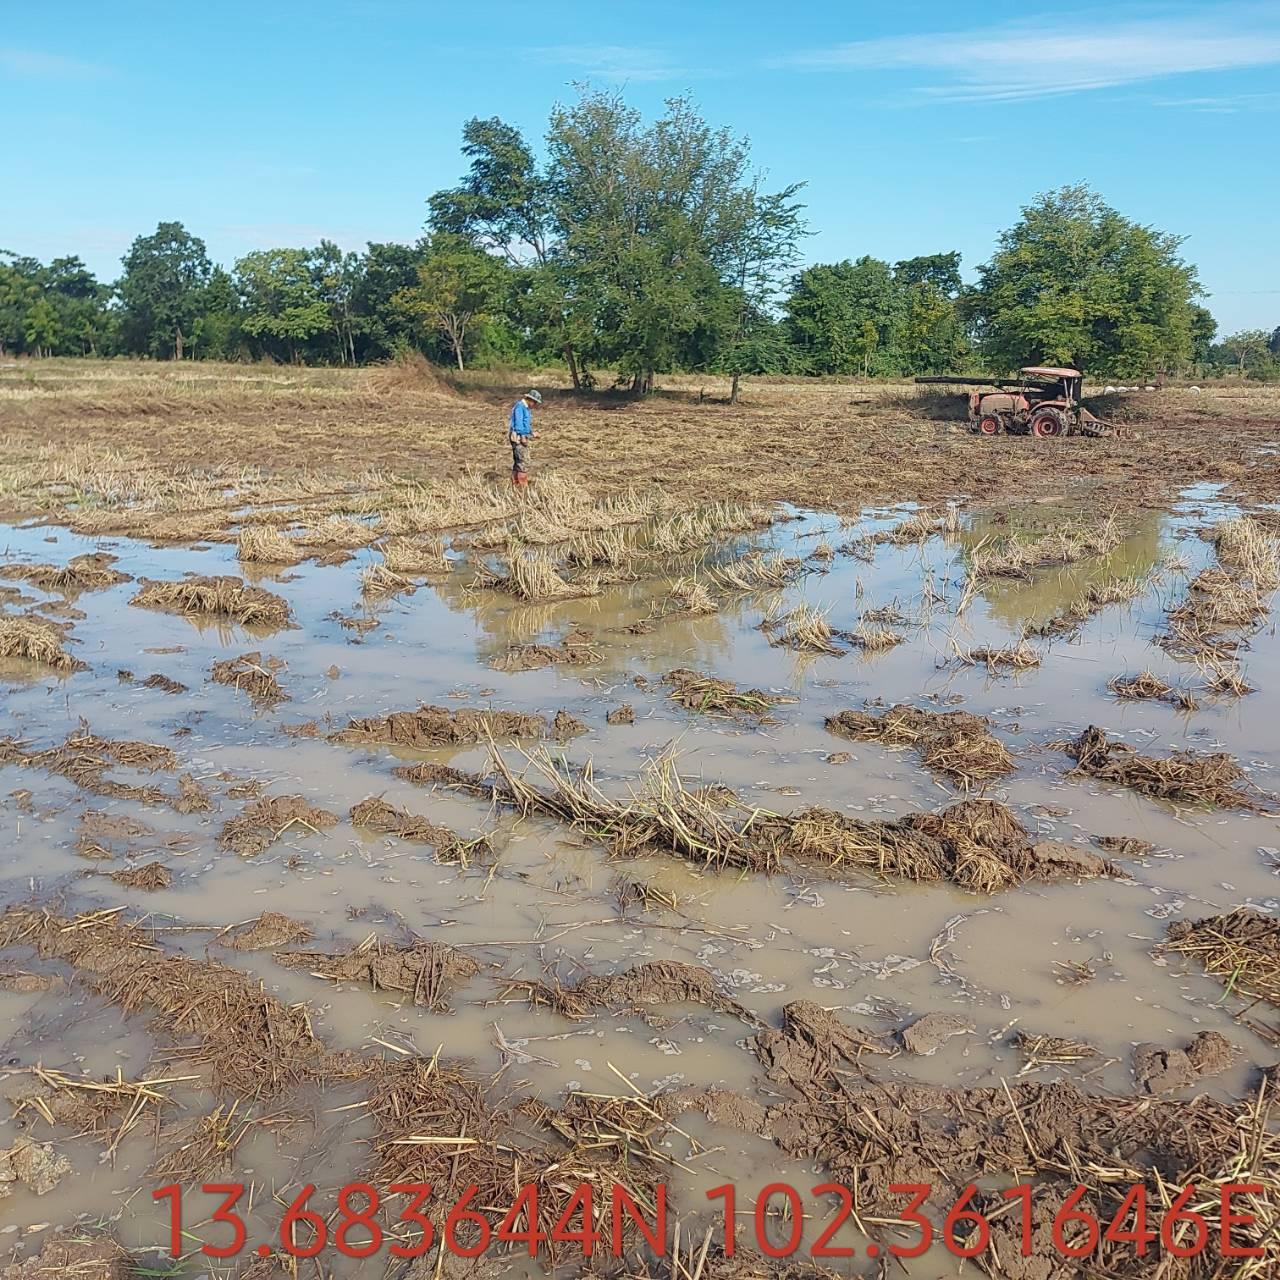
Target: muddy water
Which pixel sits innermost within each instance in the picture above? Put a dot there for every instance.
(881, 954)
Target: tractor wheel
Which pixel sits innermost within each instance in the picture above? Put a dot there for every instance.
(1048, 423)
(989, 425)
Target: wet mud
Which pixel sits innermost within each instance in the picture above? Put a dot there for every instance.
(604, 905)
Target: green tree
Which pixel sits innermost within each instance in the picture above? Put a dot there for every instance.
(382, 326)
(941, 270)
(282, 307)
(164, 276)
(1076, 283)
(653, 224)
(216, 334)
(1203, 329)
(457, 287)
(1247, 352)
(41, 327)
(337, 278)
(21, 286)
(846, 317)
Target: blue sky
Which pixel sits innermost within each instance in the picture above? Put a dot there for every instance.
(919, 127)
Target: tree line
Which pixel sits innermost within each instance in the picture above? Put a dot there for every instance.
(639, 248)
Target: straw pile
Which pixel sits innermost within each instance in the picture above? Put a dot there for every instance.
(956, 744)
(1242, 948)
(89, 572)
(265, 544)
(1151, 687)
(577, 649)
(36, 640)
(1183, 777)
(218, 597)
(1018, 557)
(84, 759)
(253, 674)
(710, 695)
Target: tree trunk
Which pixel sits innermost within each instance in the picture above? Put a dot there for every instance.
(177, 344)
(457, 352)
(572, 360)
(733, 388)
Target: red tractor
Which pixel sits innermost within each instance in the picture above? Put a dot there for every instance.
(1043, 402)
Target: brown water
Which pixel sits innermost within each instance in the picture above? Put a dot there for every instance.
(883, 954)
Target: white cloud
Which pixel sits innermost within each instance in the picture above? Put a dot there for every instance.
(612, 61)
(1026, 60)
(33, 64)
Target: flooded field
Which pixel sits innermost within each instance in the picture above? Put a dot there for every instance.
(739, 867)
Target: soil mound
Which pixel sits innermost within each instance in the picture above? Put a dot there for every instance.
(956, 744)
(1185, 776)
(427, 971)
(433, 726)
(84, 759)
(73, 1255)
(262, 823)
(218, 597)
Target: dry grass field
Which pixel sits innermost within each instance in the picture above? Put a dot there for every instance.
(198, 440)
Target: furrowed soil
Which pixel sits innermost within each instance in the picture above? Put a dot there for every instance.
(363, 899)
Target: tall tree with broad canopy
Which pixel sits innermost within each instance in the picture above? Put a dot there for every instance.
(1075, 283)
(160, 292)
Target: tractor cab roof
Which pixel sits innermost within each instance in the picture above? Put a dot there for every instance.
(1036, 371)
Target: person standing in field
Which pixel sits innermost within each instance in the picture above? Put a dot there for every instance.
(520, 432)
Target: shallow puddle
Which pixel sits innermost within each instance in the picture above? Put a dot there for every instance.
(547, 904)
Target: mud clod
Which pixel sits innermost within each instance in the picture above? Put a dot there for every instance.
(927, 1035)
(262, 823)
(72, 1255)
(625, 713)
(268, 931)
(1185, 776)
(218, 597)
(152, 876)
(956, 744)
(1056, 859)
(657, 982)
(577, 649)
(84, 759)
(91, 572)
(164, 683)
(427, 971)
(812, 1044)
(375, 814)
(433, 726)
(34, 1165)
(254, 674)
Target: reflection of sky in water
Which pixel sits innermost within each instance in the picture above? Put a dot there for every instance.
(549, 903)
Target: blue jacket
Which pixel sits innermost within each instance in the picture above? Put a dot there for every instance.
(521, 420)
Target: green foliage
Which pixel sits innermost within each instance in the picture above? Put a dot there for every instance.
(847, 317)
(1248, 353)
(1076, 283)
(165, 275)
(282, 304)
(458, 286)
